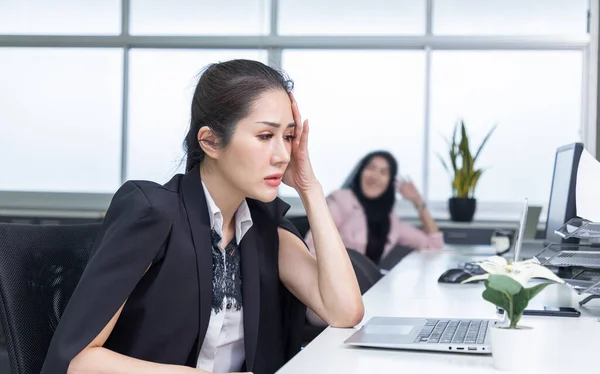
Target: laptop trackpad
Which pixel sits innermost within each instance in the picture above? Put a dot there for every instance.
(387, 330)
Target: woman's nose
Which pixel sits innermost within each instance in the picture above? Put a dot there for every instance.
(280, 153)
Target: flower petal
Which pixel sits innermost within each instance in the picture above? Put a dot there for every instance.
(497, 260)
(540, 271)
(530, 261)
(523, 272)
(521, 277)
(494, 265)
(476, 278)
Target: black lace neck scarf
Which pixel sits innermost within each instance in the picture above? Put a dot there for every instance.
(227, 275)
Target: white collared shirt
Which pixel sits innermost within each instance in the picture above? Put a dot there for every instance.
(223, 347)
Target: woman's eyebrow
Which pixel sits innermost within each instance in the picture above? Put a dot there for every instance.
(275, 124)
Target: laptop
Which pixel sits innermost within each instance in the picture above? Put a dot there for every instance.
(521, 233)
(425, 334)
(432, 334)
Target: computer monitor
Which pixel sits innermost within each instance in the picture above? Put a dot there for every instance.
(562, 206)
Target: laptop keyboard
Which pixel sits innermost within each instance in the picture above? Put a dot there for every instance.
(453, 331)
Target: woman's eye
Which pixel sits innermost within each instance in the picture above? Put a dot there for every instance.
(265, 136)
(289, 138)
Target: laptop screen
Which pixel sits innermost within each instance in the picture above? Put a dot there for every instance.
(521, 232)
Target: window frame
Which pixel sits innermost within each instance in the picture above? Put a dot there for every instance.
(74, 204)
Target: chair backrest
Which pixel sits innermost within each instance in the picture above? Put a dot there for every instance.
(394, 256)
(40, 267)
(367, 272)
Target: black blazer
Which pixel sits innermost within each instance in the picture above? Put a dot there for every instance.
(168, 307)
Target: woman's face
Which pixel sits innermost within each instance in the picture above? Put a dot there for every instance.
(260, 148)
(375, 177)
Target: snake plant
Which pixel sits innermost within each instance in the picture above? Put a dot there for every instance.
(463, 173)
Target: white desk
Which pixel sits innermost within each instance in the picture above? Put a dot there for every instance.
(566, 345)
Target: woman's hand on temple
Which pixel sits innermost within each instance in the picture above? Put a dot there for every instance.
(299, 173)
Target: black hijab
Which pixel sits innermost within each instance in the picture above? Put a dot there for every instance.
(377, 210)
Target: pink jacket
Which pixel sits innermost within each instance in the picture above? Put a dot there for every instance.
(351, 223)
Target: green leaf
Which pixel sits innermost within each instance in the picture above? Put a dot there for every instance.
(463, 174)
(510, 288)
(461, 183)
(453, 150)
(520, 301)
(464, 151)
(510, 295)
(454, 134)
(497, 298)
(503, 283)
(483, 142)
(453, 155)
(474, 179)
(464, 138)
(533, 291)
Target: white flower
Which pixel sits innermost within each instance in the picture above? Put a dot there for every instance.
(521, 271)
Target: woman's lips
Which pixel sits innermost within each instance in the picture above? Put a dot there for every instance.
(273, 181)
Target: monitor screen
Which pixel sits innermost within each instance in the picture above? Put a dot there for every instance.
(561, 206)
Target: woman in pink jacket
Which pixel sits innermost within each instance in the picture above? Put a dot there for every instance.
(364, 216)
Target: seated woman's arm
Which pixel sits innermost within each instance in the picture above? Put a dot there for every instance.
(430, 236)
(427, 222)
(412, 237)
(94, 359)
(325, 283)
(336, 211)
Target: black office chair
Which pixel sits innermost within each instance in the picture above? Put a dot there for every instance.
(367, 272)
(394, 256)
(4, 364)
(39, 269)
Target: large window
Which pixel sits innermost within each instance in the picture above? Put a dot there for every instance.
(200, 17)
(161, 85)
(60, 115)
(533, 97)
(357, 101)
(343, 17)
(60, 17)
(94, 92)
(510, 17)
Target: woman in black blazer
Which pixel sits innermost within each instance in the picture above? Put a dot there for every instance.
(150, 298)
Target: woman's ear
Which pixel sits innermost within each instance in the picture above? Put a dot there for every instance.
(208, 142)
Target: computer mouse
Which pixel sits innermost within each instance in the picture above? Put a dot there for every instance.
(454, 276)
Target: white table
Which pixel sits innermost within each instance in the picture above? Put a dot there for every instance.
(566, 345)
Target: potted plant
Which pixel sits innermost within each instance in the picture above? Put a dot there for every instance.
(463, 175)
(505, 287)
